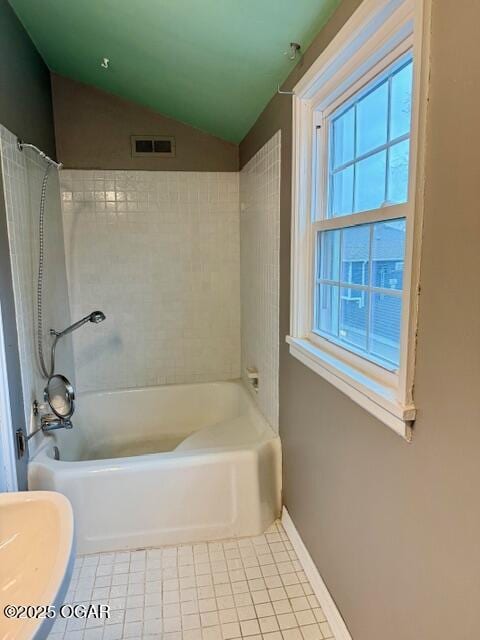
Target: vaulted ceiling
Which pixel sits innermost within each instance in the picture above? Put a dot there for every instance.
(213, 64)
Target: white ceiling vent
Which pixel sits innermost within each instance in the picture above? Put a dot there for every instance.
(153, 146)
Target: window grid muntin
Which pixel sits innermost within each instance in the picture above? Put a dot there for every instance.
(368, 154)
(369, 289)
(375, 83)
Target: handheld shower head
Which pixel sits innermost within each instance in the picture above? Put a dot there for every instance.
(97, 316)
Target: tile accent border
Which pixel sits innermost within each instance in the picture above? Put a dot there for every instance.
(319, 587)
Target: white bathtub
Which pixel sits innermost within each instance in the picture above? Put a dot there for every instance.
(165, 465)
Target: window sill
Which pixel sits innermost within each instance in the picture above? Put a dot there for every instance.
(372, 395)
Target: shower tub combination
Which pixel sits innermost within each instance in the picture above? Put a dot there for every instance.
(165, 465)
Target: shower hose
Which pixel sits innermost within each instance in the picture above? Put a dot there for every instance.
(47, 371)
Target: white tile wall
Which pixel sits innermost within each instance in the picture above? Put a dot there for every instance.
(252, 588)
(22, 173)
(260, 251)
(158, 252)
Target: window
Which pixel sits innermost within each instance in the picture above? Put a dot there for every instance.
(356, 214)
(359, 279)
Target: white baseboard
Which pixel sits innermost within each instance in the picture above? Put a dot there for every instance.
(326, 601)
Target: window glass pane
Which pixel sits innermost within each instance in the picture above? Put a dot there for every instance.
(370, 182)
(353, 317)
(355, 254)
(372, 116)
(342, 192)
(398, 172)
(364, 258)
(388, 254)
(329, 259)
(343, 138)
(401, 102)
(327, 309)
(385, 327)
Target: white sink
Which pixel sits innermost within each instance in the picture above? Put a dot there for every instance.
(36, 557)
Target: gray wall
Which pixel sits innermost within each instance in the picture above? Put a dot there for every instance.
(93, 130)
(26, 110)
(395, 528)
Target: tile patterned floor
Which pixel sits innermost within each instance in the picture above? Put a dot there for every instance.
(253, 588)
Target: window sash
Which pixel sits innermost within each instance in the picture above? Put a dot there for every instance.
(350, 99)
(314, 280)
(369, 289)
(385, 214)
(321, 218)
(321, 116)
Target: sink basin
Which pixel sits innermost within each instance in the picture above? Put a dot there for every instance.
(36, 557)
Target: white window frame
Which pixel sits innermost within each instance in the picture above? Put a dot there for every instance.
(378, 33)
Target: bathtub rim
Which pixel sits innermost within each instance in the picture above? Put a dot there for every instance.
(266, 434)
(42, 457)
(235, 382)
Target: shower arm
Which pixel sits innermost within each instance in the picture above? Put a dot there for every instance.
(61, 334)
(26, 145)
(72, 327)
(95, 317)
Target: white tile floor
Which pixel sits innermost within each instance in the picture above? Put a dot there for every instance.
(252, 588)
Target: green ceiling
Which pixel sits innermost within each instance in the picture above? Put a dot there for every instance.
(213, 64)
